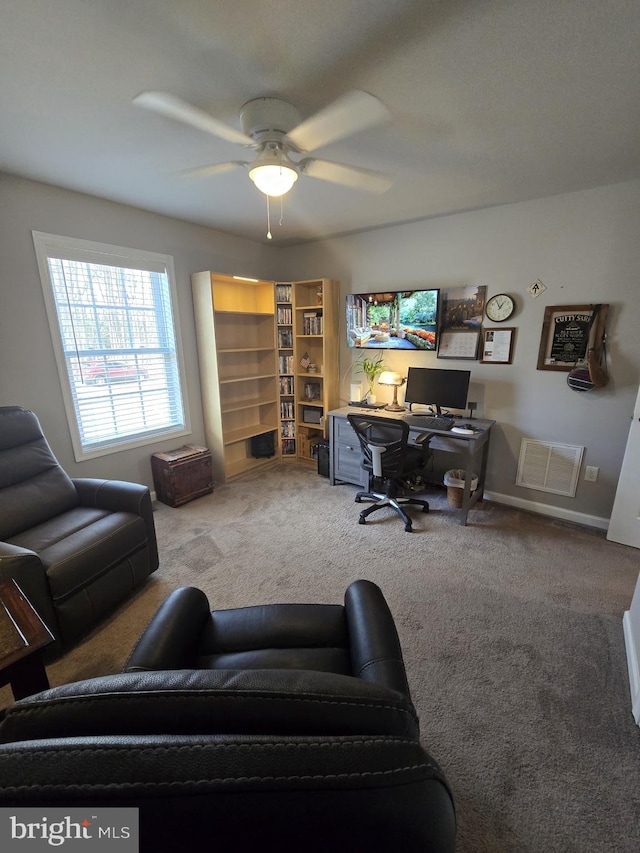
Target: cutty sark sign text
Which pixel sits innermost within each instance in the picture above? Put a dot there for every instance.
(570, 332)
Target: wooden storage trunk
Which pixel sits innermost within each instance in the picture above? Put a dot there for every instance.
(181, 475)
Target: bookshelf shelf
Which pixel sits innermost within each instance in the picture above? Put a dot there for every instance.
(241, 434)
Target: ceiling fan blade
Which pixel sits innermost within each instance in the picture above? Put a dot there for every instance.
(175, 108)
(351, 113)
(214, 169)
(349, 176)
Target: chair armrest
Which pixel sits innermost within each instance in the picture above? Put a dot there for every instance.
(376, 654)
(172, 637)
(115, 495)
(25, 567)
(424, 438)
(121, 496)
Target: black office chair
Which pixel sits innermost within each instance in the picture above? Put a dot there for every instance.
(390, 460)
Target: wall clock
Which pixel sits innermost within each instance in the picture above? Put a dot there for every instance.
(500, 307)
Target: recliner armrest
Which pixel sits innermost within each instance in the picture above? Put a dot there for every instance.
(121, 496)
(115, 495)
(172, 638)
(376, 654)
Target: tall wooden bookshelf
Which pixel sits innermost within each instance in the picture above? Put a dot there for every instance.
(315, 319)
(256, 341)
(286, 370)
(236, 337)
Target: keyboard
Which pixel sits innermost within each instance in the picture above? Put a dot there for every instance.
(429, 421)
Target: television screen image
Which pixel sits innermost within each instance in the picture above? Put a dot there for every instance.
(405, 320)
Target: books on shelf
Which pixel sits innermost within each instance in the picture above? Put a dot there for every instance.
(286, 386)
(287, 409)
(288, 446)
(312, 323)
(285, 338)
(285, 364)
(312, 391)
(284, 316)
(283, 292)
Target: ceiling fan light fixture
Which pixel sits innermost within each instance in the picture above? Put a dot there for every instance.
(273, 173)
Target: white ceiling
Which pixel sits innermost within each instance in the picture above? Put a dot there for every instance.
(492, 101)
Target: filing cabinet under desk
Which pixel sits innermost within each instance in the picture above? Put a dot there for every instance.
(344, 452)
(182, 475)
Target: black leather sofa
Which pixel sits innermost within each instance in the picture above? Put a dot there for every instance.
(273, 728)
(76, 547)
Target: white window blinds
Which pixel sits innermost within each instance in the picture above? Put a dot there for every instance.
(112, 321)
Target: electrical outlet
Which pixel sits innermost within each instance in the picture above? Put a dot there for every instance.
(591, 473)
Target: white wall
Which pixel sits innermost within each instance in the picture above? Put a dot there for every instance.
(584, 246)
(28, 375)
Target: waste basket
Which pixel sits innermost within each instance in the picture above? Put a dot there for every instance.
(454, 481)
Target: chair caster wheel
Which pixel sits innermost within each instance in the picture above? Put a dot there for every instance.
(425, 509)
(408, 528)
(362, 520)
(358, 500)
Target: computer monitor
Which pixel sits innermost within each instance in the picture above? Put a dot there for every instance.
(438, 388)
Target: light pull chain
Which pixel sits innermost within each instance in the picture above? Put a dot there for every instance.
(269, 237)
(281, 211)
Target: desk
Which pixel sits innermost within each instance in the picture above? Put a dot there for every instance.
(23, 637)
(344, 450)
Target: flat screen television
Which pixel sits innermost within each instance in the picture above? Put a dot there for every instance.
(440, 389)
(401, 320)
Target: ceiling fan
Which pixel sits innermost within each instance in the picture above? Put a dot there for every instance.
(274, 129)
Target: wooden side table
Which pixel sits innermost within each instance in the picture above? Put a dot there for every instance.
(23, 638)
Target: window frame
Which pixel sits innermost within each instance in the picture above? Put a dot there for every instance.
(89, 251)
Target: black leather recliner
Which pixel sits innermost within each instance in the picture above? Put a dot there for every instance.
(274, 728)
(76, 547)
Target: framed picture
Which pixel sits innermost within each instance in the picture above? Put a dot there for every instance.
(462, 307)
(461, 310)
(568, 332)
(497, 346)
(459, 344)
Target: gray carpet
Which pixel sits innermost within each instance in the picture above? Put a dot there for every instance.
(511, 629)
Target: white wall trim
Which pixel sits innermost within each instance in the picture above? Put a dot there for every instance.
(548, 509)
(632, 665)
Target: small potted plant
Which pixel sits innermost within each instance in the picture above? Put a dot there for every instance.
(370, 368)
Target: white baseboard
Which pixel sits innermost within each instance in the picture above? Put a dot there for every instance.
(632, 665)
(547, 509)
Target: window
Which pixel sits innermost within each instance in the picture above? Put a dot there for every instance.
(111, 313)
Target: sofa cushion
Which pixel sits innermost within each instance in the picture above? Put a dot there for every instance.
(78, 546)
(322, 660)
(53, 530)
(275, 625)
(33, 488)
(205, 701)
(277, 636)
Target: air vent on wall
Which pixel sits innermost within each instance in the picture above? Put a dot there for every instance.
(549, 467)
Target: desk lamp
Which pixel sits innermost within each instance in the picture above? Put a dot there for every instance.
(388, 377)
